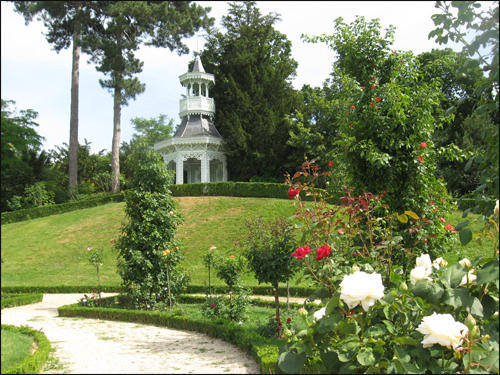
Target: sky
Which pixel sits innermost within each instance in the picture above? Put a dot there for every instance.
(37, 77)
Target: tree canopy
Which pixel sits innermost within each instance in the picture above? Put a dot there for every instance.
(253, 67)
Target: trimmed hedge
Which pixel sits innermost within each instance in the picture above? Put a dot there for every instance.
(241, 189)
(32, 364)
(261, 290)
(54, 209)
(60, 289)
(21, 299)
(254, 301)
(258, 347)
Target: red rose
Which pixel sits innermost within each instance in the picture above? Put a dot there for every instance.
(323, 252)
(352, 106)
(278, 329)
(289, 320)
(340, 231)
(213, 305)
(442, 219)
(378, 99)
(362, 87)
(95, 290)
(301, 252)
(384, 192)
(371, 103)
(449, 227)
(435, 209)
(277, 318)
(421, 159)
(280, 323)
(292, 193)
(423, 144)
(330, 163)
(374, 86)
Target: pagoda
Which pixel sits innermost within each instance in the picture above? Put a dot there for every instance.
(195, 150)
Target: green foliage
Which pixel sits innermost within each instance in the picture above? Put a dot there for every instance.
(230, 268)
(268, 249)
(32, 364)
(222, 307)
(147, 246)
(387, 113)
(484, 26)
(18, 133)
(385, 338)
(315, 129)
(253, 65)
(275, 327)
(34, 196)
(464, 131)
(363, 229)
(148, 132)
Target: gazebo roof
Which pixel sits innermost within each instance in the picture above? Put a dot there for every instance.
(196, 125)
(197, 66)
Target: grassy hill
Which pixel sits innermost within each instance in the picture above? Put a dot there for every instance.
(53, 250)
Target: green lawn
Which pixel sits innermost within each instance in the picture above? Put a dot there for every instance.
(15, 347)
(52, 250)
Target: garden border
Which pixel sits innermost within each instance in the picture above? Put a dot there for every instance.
(34, 363)
(21, 299)
(262, 290)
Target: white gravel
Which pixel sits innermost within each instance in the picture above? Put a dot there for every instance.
(107, 347)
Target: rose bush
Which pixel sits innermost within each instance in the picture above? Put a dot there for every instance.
(387, 326)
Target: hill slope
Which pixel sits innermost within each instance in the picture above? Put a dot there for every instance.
(52, 250)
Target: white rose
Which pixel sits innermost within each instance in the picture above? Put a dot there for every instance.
(420, 273)
(361, 288)
(439, 262)
(472, 277)
(424, 261)
(320, 313)
(442, 329)
(84, 300)
(466, 263)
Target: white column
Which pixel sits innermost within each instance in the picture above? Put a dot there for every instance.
(224, 169)
(204, 160)
(179, 175)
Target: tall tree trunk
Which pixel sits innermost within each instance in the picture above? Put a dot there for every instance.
(73, 125)
(117, 105)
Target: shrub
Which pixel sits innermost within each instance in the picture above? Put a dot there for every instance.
(222, 307)
(147, 246)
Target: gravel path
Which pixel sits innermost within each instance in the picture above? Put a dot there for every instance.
(104, 347)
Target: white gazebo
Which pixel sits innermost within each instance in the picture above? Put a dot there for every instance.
(195, 150)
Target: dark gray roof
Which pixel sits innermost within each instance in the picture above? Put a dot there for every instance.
(197, 125)
(197, 66)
